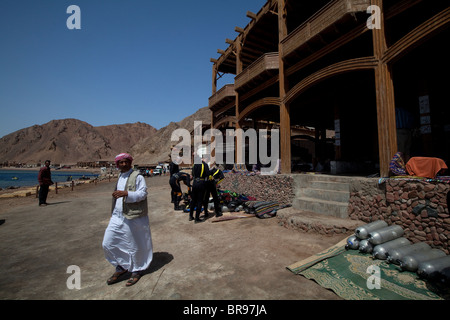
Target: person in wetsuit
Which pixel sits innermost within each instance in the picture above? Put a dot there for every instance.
(200, 172)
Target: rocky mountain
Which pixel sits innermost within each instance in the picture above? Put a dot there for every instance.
(156, 148)
(69, 141)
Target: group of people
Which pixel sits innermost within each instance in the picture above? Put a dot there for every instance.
(127, 242)
(204, 184)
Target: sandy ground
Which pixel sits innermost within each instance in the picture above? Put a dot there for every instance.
(243, 259)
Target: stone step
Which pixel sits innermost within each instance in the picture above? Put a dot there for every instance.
(323, 194)
(326, 207)
(327, 178)
(329, 185)
(307, 221)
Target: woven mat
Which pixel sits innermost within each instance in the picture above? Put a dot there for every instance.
(346, 273)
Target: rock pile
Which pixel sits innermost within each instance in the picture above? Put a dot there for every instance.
(279, 188)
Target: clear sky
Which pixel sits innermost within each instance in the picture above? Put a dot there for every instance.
(132, 60)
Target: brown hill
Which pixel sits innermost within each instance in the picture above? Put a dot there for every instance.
(68, 141)
(156, 148)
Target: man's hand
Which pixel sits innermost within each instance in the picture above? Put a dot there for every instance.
(119, 194)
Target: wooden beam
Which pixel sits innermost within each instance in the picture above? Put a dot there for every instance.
(213, 60)
(285, 117)
(387, 131)
(251, 15)
(229, 41)
(238, 29)
(221, 51)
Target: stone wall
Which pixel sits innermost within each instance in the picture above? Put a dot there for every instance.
(419, 207)
(278, 188)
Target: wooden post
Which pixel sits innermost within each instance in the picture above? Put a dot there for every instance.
(214, 79)
(238, 71)
(56, 187)
(387, 132)
(72, 184)
(285, 120)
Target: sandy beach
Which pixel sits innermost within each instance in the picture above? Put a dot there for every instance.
(242, 259)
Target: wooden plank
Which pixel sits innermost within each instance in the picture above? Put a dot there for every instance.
(232, 216)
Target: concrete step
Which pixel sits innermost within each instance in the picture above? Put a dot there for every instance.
(326, 207)
(325, 194)
(329, 185)
(308, 221)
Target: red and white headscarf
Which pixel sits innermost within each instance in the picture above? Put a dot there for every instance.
(121, 157)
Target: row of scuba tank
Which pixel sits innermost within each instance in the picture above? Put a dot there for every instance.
(387, 243)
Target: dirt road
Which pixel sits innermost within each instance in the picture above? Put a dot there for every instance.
(242, 259)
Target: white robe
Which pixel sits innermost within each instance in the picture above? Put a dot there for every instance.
(128, 243)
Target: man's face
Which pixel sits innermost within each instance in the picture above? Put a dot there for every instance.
(124, 165)
(47, 163)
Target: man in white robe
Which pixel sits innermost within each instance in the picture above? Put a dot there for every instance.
(127, 241)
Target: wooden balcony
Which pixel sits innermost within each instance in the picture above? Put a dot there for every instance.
(267, 64)
(222, 97)
(332, 13)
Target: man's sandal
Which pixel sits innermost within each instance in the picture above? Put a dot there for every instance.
(133, 279)
(115, 277)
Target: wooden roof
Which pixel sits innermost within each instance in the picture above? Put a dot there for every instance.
(260, 36)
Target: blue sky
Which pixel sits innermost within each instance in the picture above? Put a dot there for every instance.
(134, 60)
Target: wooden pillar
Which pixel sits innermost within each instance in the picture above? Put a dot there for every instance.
(214, 79)
(285, 120)
(387, 132)
(239, 68)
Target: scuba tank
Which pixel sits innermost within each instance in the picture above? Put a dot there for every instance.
(362, 232)
(365, 246)
(386, 234)
(396, 254)
(352, 243)
(412, 261)
(430, 269)
(379, 251)
(444, 277)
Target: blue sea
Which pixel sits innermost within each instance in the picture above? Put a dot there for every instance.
(28, 178)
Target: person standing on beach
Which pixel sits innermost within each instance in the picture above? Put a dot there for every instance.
(127, 242)
(45, 181)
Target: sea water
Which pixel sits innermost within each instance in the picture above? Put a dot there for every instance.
(28, 178)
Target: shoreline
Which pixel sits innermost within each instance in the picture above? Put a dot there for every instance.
(27, 191)
(80, 169)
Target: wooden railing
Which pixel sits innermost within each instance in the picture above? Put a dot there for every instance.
(324, 18)
(266, 62)
(224, 92)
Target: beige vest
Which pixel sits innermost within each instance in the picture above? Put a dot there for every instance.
(135, 209)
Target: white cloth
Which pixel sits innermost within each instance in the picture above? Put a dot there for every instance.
(128, 243)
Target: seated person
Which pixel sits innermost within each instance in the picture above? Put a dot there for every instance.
(397, 165)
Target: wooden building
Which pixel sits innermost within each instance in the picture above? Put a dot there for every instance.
(352, 66)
